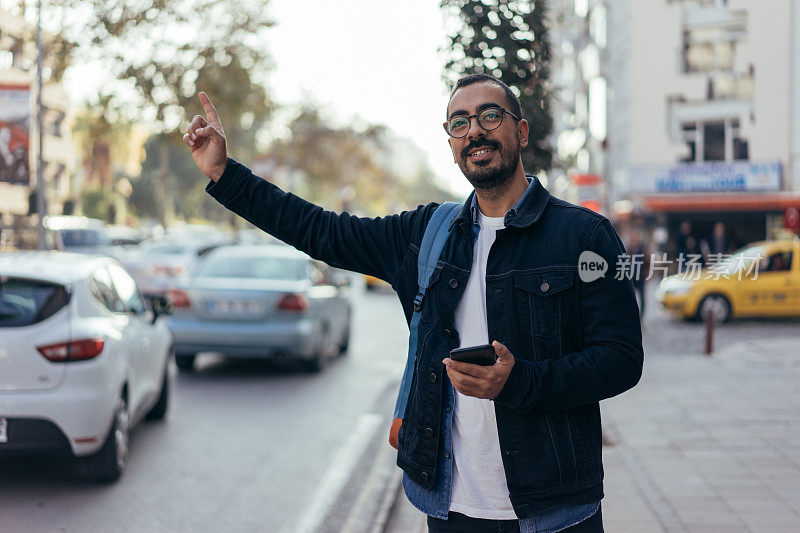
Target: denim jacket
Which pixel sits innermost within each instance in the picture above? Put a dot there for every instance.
(436, 501)
(575, 342)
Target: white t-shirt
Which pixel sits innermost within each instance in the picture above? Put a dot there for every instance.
(479, 481)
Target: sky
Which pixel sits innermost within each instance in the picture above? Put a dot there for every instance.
(365, 60)
(370, 59)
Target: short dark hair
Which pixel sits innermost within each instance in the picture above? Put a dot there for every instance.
(469, 79)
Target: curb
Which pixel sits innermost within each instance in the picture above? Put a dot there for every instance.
(393, 492)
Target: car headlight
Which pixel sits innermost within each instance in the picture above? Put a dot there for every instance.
(675, 287)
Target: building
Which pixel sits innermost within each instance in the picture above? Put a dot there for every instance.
(684, 110)
(18, 87)
(579, 38)
(704, 113)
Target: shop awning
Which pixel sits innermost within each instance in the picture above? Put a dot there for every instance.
(722, 202)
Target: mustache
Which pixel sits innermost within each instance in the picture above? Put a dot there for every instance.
(480, 143)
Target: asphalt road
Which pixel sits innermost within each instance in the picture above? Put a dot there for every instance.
(247, 446)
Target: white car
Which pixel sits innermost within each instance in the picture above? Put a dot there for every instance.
(160, 264)
(82, 358)
(79, 234)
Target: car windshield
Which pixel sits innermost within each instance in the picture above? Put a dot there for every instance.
(24, 302)
(83, 237)
(741, 260)
(253, 267)
(165, 249)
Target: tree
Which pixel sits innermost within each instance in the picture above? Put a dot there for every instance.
(354, 166)
(187, 197)
(100, 142)
(509, 40)
(155, 56)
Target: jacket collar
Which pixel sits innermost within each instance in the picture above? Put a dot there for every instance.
(525, 212)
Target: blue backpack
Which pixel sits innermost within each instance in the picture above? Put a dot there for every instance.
(436, 234)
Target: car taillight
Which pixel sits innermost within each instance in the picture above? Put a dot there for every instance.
(179, 299)
(293, 302)
(167, 270)
(65, 352)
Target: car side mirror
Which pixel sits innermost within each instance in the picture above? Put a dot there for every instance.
(160, 306)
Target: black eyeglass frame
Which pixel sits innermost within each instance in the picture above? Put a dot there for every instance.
(503, 113)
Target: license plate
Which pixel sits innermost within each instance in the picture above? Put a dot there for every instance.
(232, 307)
(3, 430)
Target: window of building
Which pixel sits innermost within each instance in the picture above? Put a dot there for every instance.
(6, 59)
(710, 36)
(703, 54)
(714, 140)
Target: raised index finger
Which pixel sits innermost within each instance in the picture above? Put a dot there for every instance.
(211, 113)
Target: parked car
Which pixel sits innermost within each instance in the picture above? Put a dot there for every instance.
(760, 280)
(125, 235)
(256, 236)
(79, 234)
(159, 264)
(261, 301)
(82, 358)
(373, 283)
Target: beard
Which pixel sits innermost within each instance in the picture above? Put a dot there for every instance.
(488, 175)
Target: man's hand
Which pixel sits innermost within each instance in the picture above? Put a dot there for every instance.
(206, 140)
(481, 381)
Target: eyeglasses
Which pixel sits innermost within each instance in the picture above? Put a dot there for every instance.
(488, 119)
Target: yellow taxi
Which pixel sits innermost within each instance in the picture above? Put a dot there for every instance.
(374, 283)
(762, 279)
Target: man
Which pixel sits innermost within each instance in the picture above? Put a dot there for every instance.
(511, 447)
(640, 267)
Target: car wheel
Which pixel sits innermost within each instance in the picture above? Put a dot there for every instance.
(108, 464)
(185, 362)
(321, 356)
(345, 342)
(716, 304)
(159, 409)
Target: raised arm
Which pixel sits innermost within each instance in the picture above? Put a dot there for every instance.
(374, 246)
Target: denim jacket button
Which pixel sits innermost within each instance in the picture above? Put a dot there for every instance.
(449, 408)
(545, 287)
(433, 377)
(424, 476)
(448, 332)
(453, 284)
(429, 432)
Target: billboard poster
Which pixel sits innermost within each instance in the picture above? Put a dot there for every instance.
(14, 134)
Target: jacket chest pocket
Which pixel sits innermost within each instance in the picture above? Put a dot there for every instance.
(542, 298)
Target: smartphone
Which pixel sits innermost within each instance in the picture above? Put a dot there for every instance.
(477, 355)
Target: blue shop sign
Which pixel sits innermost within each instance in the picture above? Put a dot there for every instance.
(718, 176)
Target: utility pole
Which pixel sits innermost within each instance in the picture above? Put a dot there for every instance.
(41, 200)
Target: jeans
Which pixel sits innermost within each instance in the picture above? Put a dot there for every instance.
(459, 523)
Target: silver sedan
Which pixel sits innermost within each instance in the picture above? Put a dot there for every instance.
(260, 301)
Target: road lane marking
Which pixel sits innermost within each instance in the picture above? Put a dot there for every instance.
(342, 464)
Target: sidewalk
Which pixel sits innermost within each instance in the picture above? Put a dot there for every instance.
(708, 444)
(702, 444)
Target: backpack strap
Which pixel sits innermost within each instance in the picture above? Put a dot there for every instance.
(436, 234)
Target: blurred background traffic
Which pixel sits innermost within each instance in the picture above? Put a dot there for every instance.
(677, 119)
